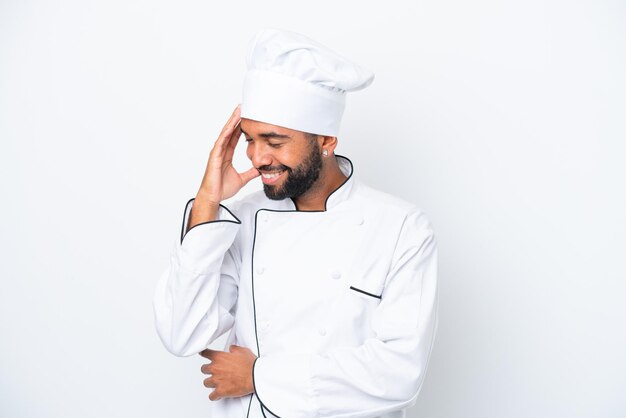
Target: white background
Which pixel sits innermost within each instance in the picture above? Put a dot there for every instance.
(503, 120)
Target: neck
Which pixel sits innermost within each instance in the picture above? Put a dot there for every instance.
(331, 177)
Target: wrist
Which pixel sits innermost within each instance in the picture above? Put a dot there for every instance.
(203, 210)
(205, 199)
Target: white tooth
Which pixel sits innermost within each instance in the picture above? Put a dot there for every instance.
(272, 175)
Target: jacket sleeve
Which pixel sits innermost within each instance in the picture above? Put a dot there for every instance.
(195, 297)
(384, 373)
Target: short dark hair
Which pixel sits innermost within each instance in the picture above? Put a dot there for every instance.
(312, 140)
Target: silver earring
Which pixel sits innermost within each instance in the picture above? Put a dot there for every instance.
(325, 152)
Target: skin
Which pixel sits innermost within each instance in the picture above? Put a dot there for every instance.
(269, 148)
(230, 373)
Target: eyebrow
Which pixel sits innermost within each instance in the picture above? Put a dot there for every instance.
(270, 134)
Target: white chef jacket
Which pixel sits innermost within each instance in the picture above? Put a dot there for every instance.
(339, 305)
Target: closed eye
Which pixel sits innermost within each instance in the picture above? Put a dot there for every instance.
(248, 140)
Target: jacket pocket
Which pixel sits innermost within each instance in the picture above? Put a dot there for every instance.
(363, 292)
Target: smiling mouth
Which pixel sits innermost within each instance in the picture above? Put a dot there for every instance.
(271, 178)
(272, 175)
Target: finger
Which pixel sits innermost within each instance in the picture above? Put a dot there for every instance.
(232, 142)
(229, 127)
(234, 137)
(209, 382)
(233, 347)
(208, 353)
(221, 148)
(206, 369)
(213, 396)
(232, 117)
(248, 175)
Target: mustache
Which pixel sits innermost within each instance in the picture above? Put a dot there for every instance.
(273, 168)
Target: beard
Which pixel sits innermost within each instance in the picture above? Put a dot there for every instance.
(299, 179)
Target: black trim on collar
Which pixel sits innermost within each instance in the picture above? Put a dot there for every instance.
(366, 293)
(331, 193)
(182, 228)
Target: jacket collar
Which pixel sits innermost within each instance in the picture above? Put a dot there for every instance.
(338, 195)
(343, 191)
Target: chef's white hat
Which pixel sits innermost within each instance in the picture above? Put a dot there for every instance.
(295, 82)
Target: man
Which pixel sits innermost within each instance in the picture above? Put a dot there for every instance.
(327, 286)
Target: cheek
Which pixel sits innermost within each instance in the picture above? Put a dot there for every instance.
(291, 156)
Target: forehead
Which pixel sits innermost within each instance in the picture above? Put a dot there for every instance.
(255, 128)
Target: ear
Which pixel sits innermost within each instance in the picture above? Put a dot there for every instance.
(328, 142)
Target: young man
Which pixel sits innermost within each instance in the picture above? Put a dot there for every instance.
(327, 286)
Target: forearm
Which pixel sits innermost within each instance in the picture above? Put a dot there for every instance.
(202, 211)
(188, 313)
(195, 295)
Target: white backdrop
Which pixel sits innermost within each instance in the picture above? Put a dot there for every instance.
(503, 120)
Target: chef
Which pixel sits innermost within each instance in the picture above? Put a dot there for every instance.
(326, 287)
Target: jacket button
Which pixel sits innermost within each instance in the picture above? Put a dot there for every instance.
(360, 221)
(260, 270)
(336, 275)
(322, 331)
(265, 325)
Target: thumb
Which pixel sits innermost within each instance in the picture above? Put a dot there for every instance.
(248, 175)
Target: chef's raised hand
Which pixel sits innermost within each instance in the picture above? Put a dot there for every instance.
(231, 372)
(221, 180)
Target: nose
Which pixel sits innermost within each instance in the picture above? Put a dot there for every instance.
(259, 154)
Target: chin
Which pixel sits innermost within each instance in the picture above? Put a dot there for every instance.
(270, 192)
